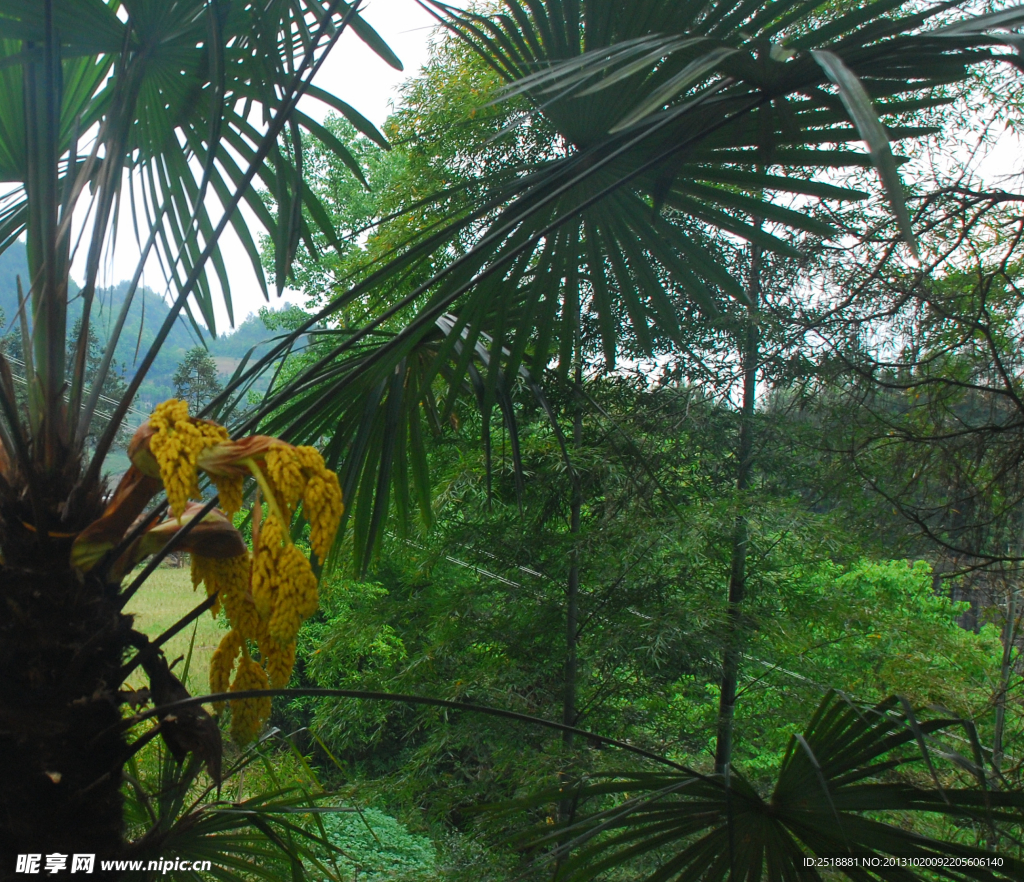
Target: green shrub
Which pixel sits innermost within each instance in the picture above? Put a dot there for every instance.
(375, 846)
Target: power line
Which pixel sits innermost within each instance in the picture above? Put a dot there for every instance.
(101, 397)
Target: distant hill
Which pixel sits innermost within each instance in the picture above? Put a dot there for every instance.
(147, 313)
(12, 264)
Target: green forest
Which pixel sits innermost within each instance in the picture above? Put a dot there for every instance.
(637, 496)
(804, 497)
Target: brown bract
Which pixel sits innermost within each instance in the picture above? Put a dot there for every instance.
(213, 537)
(129, 499)
(229, 458)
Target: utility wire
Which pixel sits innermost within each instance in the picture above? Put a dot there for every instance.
(144, 416)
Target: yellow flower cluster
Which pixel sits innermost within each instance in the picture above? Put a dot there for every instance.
(222, 662)
(285, 593)
(249, 714)
(285, 473)
(279, 662)
(229, 489)
(265, 596)
(271, 537)
(321, 501)
(296, 598)
(229, 578)
(176, 445)
(299, 473)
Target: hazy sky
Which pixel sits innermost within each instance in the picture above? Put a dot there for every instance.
(356, 74)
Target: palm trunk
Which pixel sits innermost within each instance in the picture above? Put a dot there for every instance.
(740, 540)
(62, 641)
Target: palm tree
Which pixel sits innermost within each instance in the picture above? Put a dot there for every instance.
(118, 116)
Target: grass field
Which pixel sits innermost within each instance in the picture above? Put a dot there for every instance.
(166, 596)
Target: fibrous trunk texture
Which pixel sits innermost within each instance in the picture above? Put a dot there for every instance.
(62, 641)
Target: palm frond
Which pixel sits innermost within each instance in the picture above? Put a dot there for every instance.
(138, 108)
(175, 810)
(839, 779)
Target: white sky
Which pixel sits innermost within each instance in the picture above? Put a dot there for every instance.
(358, 76)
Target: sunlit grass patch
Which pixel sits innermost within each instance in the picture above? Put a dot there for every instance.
(166, 596)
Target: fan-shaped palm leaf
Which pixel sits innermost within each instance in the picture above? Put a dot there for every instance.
(851, 766)
(152, 109)
(276, 834)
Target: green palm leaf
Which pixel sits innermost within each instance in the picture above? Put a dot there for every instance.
(274, 835)
(136, 108)
(837, 781)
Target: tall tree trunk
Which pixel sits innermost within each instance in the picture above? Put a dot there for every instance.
(572, 591)
(572, 588)
(1009, 638)
(573, 583)
(740, 539)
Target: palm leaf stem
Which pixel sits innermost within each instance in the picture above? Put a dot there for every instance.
(106, 195)
(153, 645)
(363, 695)
(83, 177)
(131, 749)
(7, 440)
(19, 447)
(89, 408)
(41, 109)
(32, 388)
